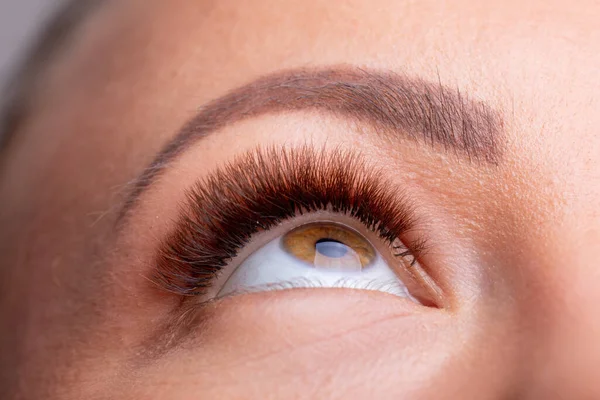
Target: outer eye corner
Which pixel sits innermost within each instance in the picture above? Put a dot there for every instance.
(424, 289)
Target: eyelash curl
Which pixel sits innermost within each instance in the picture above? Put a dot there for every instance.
(264, 187)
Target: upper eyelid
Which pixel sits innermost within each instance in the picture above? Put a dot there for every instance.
(219, 218)
(396, 105)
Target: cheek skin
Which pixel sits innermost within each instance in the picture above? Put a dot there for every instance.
(324, 344)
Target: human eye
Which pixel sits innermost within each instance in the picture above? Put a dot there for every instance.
(286, 218)
(316, 254)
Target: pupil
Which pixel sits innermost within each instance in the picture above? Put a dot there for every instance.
(331, 248)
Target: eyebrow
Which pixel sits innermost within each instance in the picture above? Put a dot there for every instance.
(394, 105)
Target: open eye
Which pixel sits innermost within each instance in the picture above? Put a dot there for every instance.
(346, 227)
(319, 254)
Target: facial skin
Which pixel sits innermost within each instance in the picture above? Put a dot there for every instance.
(515, 242)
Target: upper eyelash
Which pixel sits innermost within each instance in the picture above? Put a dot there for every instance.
(260, 189)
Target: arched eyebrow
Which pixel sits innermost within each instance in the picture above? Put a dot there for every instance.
(394, 105)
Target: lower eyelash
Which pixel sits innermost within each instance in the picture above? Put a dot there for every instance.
(394, 287)
(264, 187)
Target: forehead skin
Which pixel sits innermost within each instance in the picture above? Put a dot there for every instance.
(140, 69)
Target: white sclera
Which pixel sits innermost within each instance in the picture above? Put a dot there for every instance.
(272, 267)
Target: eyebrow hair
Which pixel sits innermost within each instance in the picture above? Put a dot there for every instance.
(394, 105)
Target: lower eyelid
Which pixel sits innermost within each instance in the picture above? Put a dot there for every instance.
(393, 287)
(333, 308)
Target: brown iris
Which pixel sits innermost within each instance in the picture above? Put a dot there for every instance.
(329, 246)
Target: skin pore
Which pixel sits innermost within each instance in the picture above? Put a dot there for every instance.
(513, 243)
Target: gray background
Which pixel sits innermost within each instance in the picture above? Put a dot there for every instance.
(20, 20)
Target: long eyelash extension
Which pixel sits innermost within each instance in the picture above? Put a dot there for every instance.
(257, 191)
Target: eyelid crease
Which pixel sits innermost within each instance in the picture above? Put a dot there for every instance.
(260, 189)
